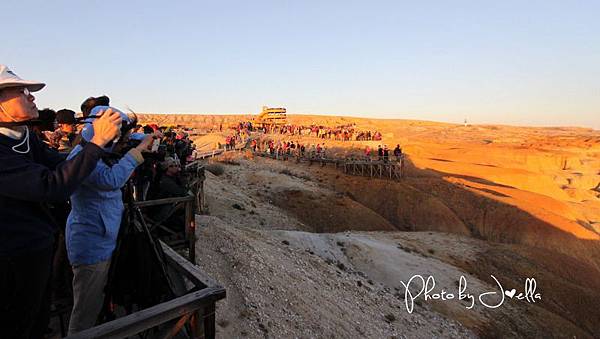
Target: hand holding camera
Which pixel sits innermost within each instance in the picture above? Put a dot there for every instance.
(106, 128)
(146, 144)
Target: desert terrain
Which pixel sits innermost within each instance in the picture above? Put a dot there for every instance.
(308, 251)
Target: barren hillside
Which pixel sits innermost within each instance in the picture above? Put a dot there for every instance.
(312, 252)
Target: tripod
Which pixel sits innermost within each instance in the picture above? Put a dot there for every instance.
(138, 276)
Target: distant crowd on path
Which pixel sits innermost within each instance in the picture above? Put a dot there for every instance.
(338, 133)
(383, 153)
(238, 137)
(286, 149)
(346, 132)
(240, 134)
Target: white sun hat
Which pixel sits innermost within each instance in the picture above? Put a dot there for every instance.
(9, 79)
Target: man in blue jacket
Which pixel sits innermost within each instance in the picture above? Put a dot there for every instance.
(30, 176)
(93, 225)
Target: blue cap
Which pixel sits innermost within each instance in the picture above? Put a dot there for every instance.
(87, 132)
(137, 136)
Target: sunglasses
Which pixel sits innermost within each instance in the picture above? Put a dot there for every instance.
(25, 91)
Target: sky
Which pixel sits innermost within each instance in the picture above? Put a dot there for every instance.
(509, 62)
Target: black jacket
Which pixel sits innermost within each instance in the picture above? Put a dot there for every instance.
(172, 187)
(27, 182)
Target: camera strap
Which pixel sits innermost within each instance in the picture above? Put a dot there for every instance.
(31, 122)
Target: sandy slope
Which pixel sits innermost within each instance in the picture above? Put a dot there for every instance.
(270, 248)
(281, 291)
(515, 202)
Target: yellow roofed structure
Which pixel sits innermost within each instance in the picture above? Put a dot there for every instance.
(271, 116)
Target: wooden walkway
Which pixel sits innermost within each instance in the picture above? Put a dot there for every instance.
(215, 152)
(393, 170)
(381, 169)
(208, 154)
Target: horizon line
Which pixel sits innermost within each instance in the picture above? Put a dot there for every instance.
(377, 118)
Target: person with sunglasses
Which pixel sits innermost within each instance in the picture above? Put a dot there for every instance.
(32, 175)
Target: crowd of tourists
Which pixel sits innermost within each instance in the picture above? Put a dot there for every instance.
(61, 199)
(383, 153)
(286, 149)
(61, 130)
(346, 132)
(240, 134)
(339, 133)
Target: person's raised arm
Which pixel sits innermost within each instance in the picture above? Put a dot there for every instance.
(114, 177)
(25, 179)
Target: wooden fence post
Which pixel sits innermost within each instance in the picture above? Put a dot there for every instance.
(190, 230)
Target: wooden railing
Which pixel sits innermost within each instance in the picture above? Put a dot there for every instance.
(189, 241)
(191, 314)
(215, 152)
(391, 169)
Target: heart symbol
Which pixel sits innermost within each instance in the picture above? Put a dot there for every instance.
(510, 293)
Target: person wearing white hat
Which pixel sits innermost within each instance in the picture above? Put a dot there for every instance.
(32, 175)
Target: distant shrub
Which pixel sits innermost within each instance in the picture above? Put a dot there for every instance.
(238, 207)
(215, 169)
(229, 162)
(286, 172)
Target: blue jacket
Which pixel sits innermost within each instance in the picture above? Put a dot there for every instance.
(96, 210)
(97, 205)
